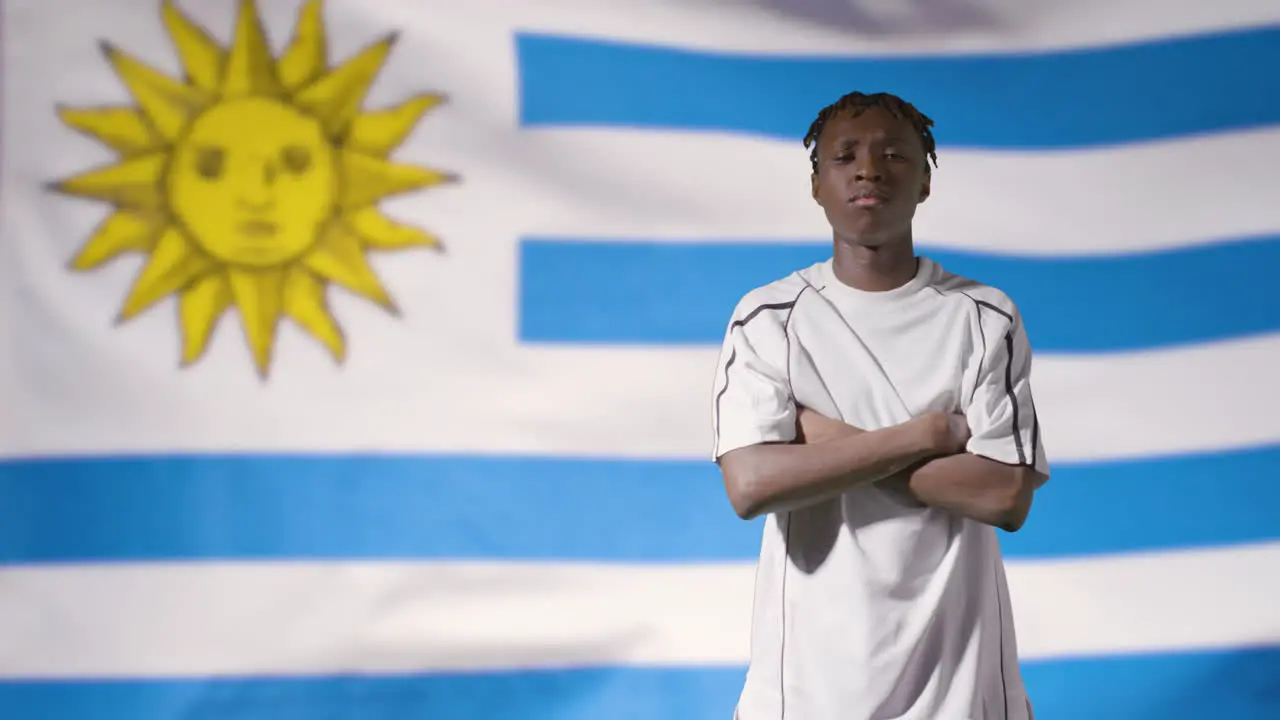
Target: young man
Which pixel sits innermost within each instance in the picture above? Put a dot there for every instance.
(878, 409)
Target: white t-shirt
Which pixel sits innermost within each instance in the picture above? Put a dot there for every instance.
(866, 609)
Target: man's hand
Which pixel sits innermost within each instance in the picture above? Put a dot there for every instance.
(944, 433)
(947, 433)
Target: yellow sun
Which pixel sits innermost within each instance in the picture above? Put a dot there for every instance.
(252, 182)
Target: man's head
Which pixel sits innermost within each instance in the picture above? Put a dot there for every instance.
(870, 162)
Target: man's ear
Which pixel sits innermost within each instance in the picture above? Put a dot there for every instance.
(813, 187)
(925, 189)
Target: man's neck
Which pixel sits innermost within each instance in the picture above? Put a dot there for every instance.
(874, 269)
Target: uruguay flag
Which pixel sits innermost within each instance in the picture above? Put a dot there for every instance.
(356, 355)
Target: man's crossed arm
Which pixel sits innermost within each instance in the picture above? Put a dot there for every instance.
(923, 459)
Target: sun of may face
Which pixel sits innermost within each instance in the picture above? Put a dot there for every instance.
(252, 183)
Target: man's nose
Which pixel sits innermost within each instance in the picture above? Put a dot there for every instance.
(868, 169)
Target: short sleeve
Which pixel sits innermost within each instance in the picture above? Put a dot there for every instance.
(1002, 412)
(752, 402)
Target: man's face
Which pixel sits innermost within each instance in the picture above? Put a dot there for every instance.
(871, 175)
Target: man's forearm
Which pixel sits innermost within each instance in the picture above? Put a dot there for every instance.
(769, 478)
(976, 487)
(965, 484)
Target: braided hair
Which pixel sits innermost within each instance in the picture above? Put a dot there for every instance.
(856, 103)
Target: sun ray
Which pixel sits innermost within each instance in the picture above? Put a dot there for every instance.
(120, 128)
(250, 70)
(173, 265)
(306, 305)
(379, 232)
(200, 307)
(367, 179)
(132, 184)
(378, 133)
(339, 258)
(167, 104)
(122, 232)
(259, 295)
(336, 98)
(307, 55)
(201, 56)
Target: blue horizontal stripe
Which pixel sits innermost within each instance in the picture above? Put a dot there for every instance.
(373, 507)
(1235, 684)
(576, 291)
(1071, 98)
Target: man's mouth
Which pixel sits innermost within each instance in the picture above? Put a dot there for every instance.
(869, 198)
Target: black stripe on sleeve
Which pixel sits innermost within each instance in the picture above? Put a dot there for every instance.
(1013, 398)
(1035, 434)
(1008, 382)
(989, 306)
(982, 335)
(733, 355)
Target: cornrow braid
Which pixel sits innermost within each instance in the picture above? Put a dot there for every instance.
(856, 103)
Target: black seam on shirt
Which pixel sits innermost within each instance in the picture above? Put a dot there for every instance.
(1004, 685)
(767, 306)
(786, 334)
(786, 543)
(982, 335)
(989, 306)
(733, 355)
(1035, 434)
(977, 380)
(782, 643)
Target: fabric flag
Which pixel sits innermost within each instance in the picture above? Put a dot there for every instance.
(356, 355)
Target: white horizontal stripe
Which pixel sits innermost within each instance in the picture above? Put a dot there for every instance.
(271, 618)
(1194, 599)
(567, 401)
(842, 27)
(1187, 400)
(716, 187)
(856, 26)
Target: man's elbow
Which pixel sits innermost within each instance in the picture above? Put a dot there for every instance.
(743, 497)
(1012, 516)
(741, 486)
(1013, 504)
